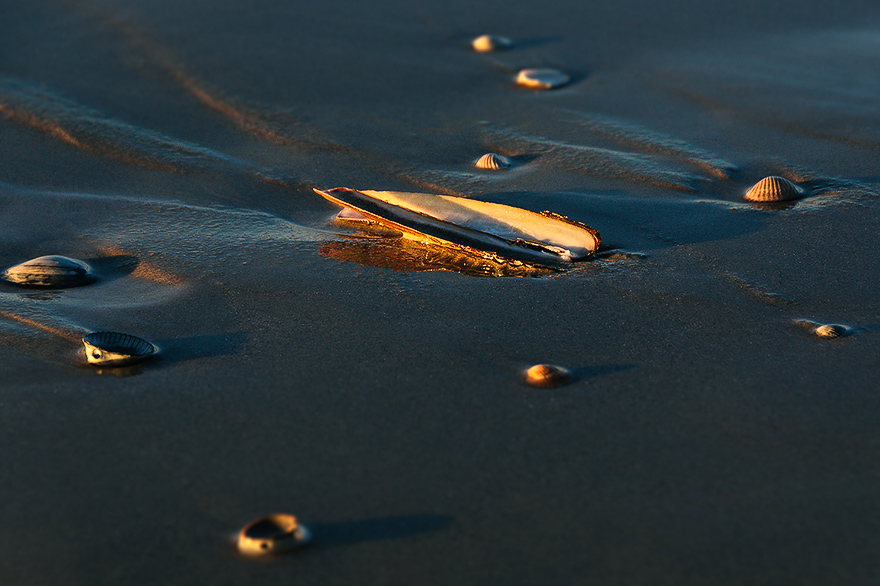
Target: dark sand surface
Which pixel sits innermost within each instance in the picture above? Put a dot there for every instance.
(706, 439)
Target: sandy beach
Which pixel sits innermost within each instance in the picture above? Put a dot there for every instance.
(373, 386)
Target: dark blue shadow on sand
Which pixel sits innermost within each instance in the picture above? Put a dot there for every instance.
(583, 373)
(175, 350)
(344, 533)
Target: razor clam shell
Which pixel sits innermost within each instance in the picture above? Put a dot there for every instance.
(116, 349)
(272, 534)
(506, 231)
(492, 162)
(487, 43)
(543, 79)
(50, 271)
(773, 188)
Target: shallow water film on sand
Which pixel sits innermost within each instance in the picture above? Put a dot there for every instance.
(205, 366)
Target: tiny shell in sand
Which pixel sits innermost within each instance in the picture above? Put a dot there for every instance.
(272, 534)
(116, 349)
(543, 79)
(493, 162)
(831, 331)
(487, 43)
(547, 375)
(58, 272)
(773, 189)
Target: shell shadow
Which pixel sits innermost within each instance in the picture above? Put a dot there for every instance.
(117, 265)
(534, 42)
(376, 529)
(176, 350)
(583, 373)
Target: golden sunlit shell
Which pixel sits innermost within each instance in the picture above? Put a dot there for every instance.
(773, 189)
(831, 331)
(475, 226)
(547, 375)
(544, 79)
(492, 162)
(116, 349)
(486, 43)
(50, 271)
(271, 534)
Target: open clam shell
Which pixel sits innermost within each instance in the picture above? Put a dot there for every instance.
(542, 79)
(272, 534)
(116, 349)
(773, 188)
(50, 271)
(476, 226)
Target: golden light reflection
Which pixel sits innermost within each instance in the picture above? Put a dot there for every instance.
(404, 254)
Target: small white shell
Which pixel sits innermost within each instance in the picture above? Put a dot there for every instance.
(545, 79)
(831, 331)
(487, 43)
(116, 349)
(50, 271)
(492, 162)
(271, 534)
(773, 188)
(547, 375)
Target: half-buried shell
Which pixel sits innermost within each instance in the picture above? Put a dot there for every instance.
(58, 272)
(116, 349)
(542, 79)
(773, 188)
(548, 375)
(475, 226)
(271, 534)
(832, 331)
(492, 162)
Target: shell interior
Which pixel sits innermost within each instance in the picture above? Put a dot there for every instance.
(542, 78)
(493, 162)
(50, 271)
(271, 534)
(482, 226)
(773, 188)
(116, 349)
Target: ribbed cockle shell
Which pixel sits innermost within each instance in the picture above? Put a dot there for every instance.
(773, 189)
(492, 162)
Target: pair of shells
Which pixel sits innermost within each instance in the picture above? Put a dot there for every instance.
(272, 534)
(58, 272)
(772, 189)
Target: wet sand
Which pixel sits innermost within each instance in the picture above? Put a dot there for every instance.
(374, 387)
